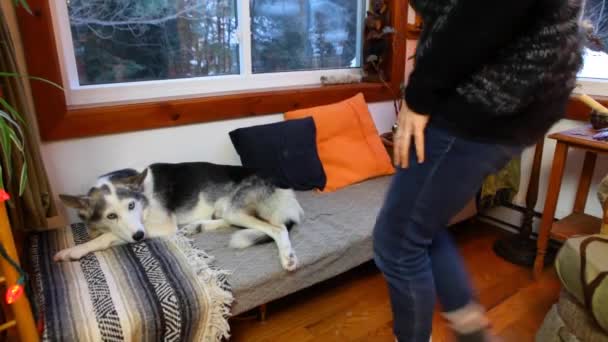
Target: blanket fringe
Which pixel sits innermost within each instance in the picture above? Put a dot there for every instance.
(216, 284)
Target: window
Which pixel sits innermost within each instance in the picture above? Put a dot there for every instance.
(119, 41)
(131, 50)
(293, 35)
(594, 75)
(205, 60)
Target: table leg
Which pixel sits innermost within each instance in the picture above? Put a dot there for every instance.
(263, 311)
(532, 193)
(585, 182)
(555, 182)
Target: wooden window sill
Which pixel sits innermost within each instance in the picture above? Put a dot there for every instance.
(90, 121)
(577, 110)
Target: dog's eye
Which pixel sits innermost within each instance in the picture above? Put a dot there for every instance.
(131, 205)
(112, 216)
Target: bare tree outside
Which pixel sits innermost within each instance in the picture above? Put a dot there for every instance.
(596, 18)
(138, 40)
(595, 21)
(293, 35)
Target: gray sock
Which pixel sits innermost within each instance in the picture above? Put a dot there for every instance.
(470, 322)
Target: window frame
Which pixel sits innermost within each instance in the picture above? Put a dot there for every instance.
(134, 91)
(59, 120)
(592, 86)
(577, 110)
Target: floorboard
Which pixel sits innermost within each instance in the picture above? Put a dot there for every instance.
(355, 305)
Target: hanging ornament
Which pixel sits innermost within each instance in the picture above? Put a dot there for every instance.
(4, 196)
(16, 291)
(13, 293)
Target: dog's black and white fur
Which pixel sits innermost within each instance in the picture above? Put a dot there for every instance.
(127, 206)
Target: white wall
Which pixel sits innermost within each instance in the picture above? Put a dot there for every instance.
(569, 183)
(73, 165)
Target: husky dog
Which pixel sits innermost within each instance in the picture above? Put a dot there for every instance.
(128, 206)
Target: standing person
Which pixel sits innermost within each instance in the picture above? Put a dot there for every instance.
(490, 78)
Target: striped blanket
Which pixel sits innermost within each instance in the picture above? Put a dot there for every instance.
(156, 290)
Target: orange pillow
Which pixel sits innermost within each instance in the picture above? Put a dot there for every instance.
(348, 143)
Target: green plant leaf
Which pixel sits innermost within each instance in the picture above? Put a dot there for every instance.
(14, 74)
(1, 181)
(12, 110)
(25, 5)
(12, 121)
(11, 133)
(5, 141)
(7, 138)
(23, 179)
(17, 141)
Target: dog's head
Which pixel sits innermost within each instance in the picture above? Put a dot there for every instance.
(115, 205)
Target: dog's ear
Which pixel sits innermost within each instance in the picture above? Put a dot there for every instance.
(77, 202)
(134, 182)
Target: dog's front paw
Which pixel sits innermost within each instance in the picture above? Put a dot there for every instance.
(69, 254)
(289, 261)
(192, 229)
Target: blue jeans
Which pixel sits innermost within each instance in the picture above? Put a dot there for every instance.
(412, 246)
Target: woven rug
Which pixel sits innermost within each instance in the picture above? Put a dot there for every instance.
(156, 290)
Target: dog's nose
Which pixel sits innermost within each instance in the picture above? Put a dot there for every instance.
(138, 236)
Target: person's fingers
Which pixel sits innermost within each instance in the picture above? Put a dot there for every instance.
(398, 137)
(397, 148)
(406, 141)
(419, 141)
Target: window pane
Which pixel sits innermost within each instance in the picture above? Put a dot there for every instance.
(289, 35)
(139, 40)
(595, 17)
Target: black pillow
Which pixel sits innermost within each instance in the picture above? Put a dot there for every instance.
(286, 152)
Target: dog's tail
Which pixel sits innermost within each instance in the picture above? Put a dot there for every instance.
(248, 237)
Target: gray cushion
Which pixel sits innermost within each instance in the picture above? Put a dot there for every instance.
(568, 321)
(554, 329)
(578, 320)
(569, 269)
(334, 237)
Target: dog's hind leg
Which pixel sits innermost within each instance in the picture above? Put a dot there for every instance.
(279, 234)
(204, 226)
(248, 237)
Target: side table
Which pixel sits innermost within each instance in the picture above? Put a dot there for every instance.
(577, 223)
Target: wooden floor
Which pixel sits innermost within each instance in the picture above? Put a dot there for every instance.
(355, 306)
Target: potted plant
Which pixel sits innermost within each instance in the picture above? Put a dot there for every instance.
(12, 139)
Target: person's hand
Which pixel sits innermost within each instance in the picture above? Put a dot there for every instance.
(411, 125)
